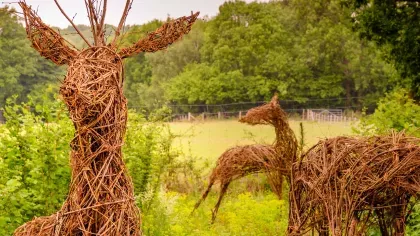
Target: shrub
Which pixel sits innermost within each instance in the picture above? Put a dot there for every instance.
(34, 160)
(34, 164)
(396, 111)
(240, 214)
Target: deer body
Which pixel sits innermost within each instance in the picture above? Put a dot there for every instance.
(345, 185)
(236, 163)
(92, 90)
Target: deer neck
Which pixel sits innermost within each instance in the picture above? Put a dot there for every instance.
(285, 143)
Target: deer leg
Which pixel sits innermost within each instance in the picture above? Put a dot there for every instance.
(383, 226)
(223, 187)
(399, 213)
(323, 229)
(353, 225)
(204, 196)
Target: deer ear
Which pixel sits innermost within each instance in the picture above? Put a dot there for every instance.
(275, 99)
(45, 40)
(162, 37)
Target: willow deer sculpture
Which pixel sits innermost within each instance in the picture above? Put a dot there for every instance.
(274, 160)
(101, 197)
(344, 185)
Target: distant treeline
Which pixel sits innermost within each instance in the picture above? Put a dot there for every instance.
(303, 50)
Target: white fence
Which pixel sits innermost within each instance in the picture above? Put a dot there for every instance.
(327, 115)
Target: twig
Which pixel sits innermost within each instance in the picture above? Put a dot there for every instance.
(72, 23)
(122, 20)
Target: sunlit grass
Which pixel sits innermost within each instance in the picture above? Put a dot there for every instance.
(210, 139)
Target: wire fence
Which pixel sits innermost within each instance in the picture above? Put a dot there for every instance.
(321, 110)
(319, 115)
(329, 109)
(352, 103)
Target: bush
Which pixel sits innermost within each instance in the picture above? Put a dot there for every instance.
(240, 214)
(34, 160)
(34, 163)
(396, 111)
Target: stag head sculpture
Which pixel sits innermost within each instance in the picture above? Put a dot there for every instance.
(101, 195)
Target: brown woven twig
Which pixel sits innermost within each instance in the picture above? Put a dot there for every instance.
(101, 196)
(38, 226)
(236, 163)
(274, 160)
(45, 40)
(272, 114)
(344, 185)
(162, 37)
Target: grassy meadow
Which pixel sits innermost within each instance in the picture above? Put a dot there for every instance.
(211, 138)
(249, 208)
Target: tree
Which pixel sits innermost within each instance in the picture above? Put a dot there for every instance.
(148, 73)
(341, 65)
(393, 24)
(22, 68)
(302, 50)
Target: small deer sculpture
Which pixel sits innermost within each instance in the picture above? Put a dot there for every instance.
(275, 160)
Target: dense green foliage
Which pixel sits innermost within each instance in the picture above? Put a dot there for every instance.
(393, 24)
(22, 69)
(396, 111)
(34, 159)
(300, 49)
(34, 163)
(240, 214)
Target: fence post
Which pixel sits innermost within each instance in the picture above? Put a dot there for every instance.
(2, 120)
(303, 114)
(189, 116)
(240, 114)
(219, 115)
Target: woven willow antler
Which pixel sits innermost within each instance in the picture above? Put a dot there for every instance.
(45, 40)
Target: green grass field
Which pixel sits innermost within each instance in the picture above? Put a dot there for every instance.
(210, 139)
(249, 207)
